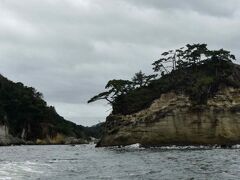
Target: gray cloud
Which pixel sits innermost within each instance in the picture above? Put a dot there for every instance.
(68, 49)
(208, 7)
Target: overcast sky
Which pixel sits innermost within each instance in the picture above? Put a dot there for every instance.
(69, 49)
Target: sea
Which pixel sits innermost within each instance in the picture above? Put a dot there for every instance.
(66, 162)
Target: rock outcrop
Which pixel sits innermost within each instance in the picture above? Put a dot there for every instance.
(7, 139)
(174, 120)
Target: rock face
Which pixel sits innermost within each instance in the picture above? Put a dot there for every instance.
(174, 120)
(6, 138)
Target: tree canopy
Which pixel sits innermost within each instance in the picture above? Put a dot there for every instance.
(140, 79)
(23, 107)
(190, 55)
(118, 87)
(192, 69)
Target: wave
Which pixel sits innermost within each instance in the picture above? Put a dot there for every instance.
(12, 170)
(175, 147)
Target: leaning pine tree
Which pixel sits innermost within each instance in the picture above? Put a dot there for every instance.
(194, 70)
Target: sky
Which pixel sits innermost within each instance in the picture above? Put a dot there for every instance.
(69, 49)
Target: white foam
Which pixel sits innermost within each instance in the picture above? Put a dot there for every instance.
(237, 146)
(13, 170)
(174, 147)
(137, 145)
(5, 178)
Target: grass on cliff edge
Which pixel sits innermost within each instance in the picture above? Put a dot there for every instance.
(199, 82)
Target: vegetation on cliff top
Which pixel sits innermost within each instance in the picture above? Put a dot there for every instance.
(193, 70)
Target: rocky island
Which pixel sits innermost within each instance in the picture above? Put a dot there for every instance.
(194, 102)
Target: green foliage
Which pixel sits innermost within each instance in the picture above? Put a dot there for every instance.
(190, 55)
(199, 85)
(140, 79)
(193, 70)
(95, 131)
(23, 107)
(116, 88)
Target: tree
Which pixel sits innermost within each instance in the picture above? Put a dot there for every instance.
(140, 79)
(118, 87)
(222, 54)
(168, 60)
(190, 55)
(185, 61)
(115, 89)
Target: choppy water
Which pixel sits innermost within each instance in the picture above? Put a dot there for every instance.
(87, 162)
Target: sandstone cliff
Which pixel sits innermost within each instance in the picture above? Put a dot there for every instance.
(174, 120)
(196, 101)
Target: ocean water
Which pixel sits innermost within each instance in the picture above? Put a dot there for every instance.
(86, 162)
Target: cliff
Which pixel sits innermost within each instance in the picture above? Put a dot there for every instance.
(25, 118)
(174, 120)
(200, 107)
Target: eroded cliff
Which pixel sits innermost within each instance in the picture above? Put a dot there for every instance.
(174, 120)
